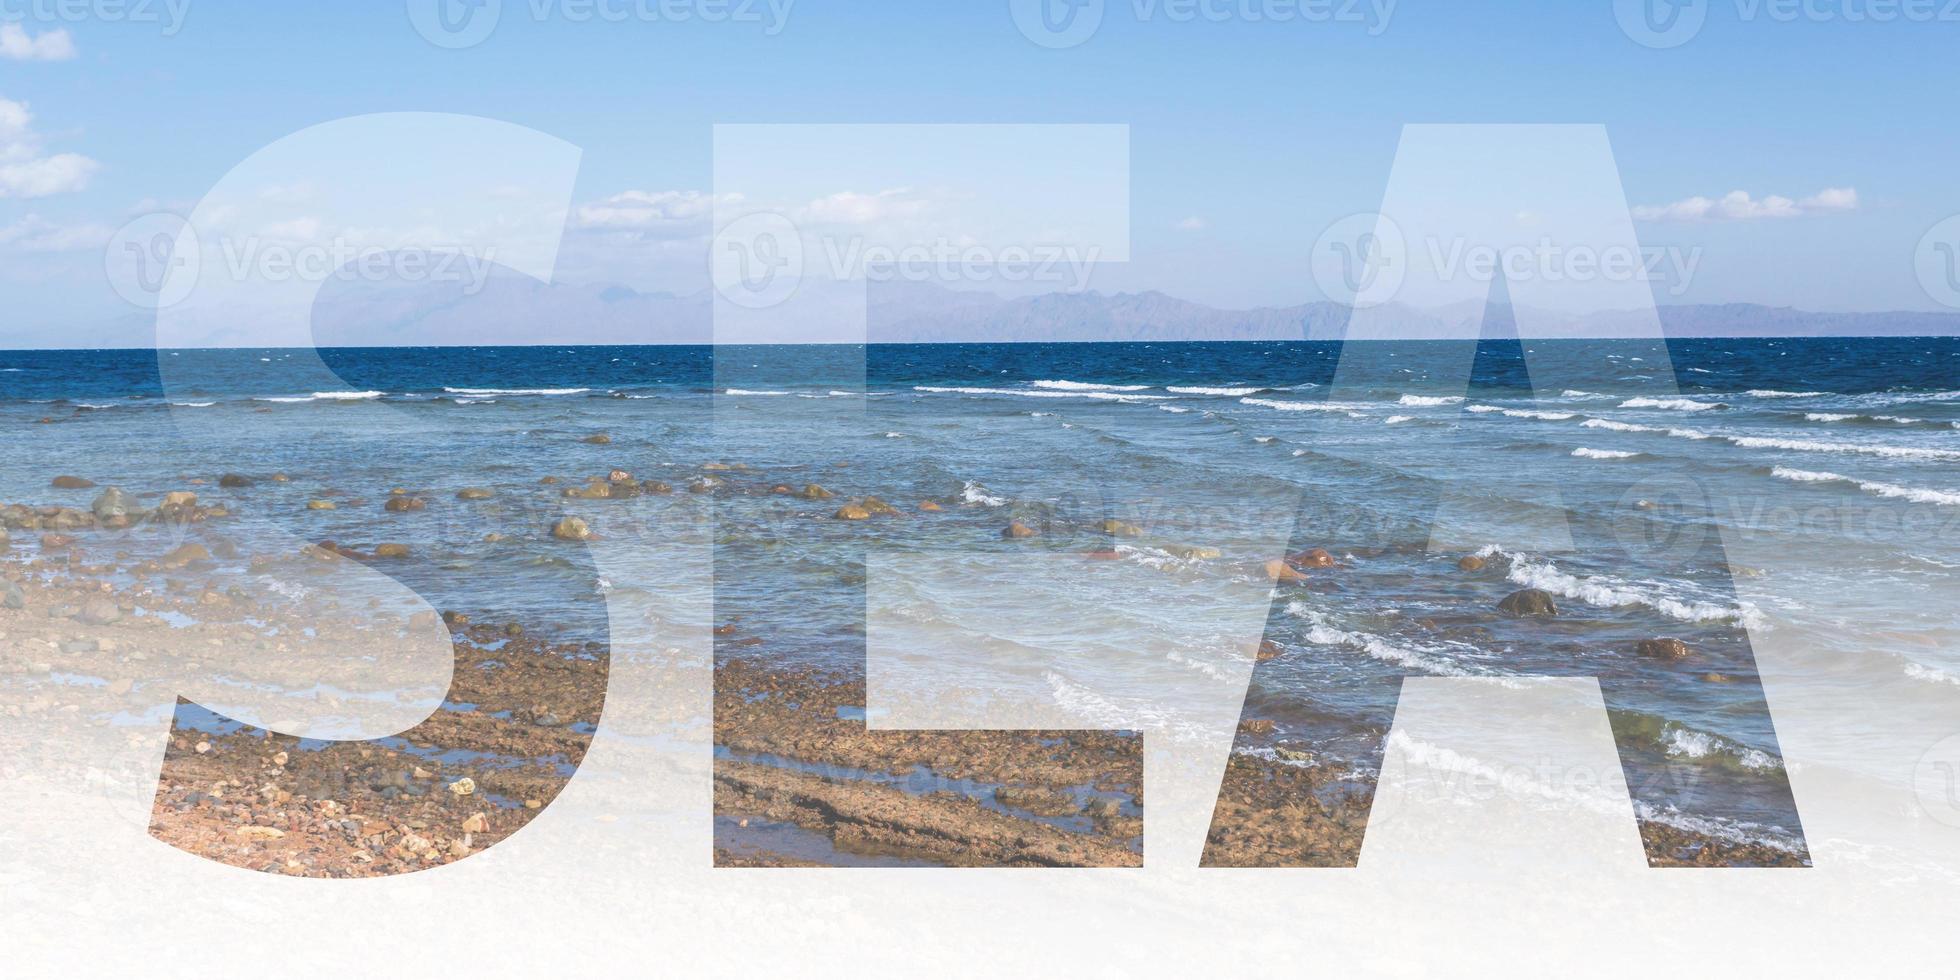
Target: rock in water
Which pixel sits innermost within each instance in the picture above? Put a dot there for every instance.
(1280, 571)
(1017, 529)
(1119, 529)
(1664, 648)
(11, 596)
(1471, 563)
(474, 493)
(184, 554)
(1534, 603)
(111, 504)
(571, 529)
(402, 505)
(391, 551)
(1313, 558)
(600, 439)
(852, 512)
(234, 481)
(812, 491)
(72, 483)
(180, 499)
(320, 505)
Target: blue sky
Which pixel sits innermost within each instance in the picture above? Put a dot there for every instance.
(1246, 137)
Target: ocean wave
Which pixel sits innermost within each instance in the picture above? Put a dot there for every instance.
(1584, 453)
(1773, 393)
(1612, 593)
(193, 404)
(1174, 409)
(1321, 633)
(974, 493)
(1921, 672)
(1114, 396)
(1429, 401)
(1828, 417)
(1612, 426)
(1813, 446)
(1348, 407)
(1223, 392)
(1086, 386)
(1522, 413)
(1518, 782)
(1576, 393)
(1687, 743)
(516, 391)
(1891, 490)
(1672, 404)
(1398, 419)
(751, 392)
(323, 396)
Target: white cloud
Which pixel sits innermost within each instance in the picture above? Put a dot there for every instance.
(36, 234)
(854, 208)
(1739, 206)
(653, 214)
(17, 45)
(1192, 223)
(25, 171)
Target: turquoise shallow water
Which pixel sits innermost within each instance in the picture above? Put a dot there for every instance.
(1634, 481)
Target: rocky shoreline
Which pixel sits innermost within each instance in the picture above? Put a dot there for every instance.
(800, 778)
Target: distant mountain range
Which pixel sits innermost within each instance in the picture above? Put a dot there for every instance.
(515, 310)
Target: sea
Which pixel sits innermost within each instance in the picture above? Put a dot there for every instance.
(1729, 493)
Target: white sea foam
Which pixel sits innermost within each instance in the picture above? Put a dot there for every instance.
(1398, 419)
(1671, 404)
(516, 391)
(1773, 393)
(1522, 413)
(1429, 660)
(974, 493)
(1224, 392)
(1921, 672)
(1690, 744)
(1087, 386)
(1030, 393)
(1584, 453)
(1175, 409)
(1576, 393)
(1612, 593)
(1429, 401)
(1348, 407)
(1891, 490)
(320, 396)
(1813, 446)
(193, 404)
(1263, 439)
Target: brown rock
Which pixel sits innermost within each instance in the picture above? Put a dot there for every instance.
(1471, 563)
(930, 506)
(391, 550)
(1312, 558)
(1268, 650)
(234, 481)
(1663, 648)
(321, 505)
(1280, 571)
(598, 439)
(180, 499)
(1533, 603)
(1016, 529)
(812, 491)
(474, 493)
(72, 483)
(571, 529)
(852, 512)
(184, 554)
(404, 504)
(1119, 529)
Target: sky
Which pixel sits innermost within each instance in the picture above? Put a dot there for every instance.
(1803, 155)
